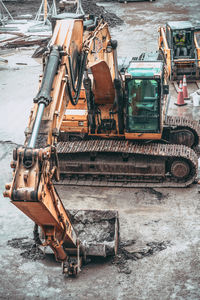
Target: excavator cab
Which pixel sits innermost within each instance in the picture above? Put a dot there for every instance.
(143, 105)
(144, 98)
(178, 44)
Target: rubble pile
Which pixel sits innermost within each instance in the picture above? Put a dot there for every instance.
(89, 7)
(132, 250)
(31, 250)
(17, 39)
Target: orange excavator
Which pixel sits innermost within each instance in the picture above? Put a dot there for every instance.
(94, 125)
(36, 164)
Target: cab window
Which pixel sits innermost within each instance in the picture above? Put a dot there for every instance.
(143, 106)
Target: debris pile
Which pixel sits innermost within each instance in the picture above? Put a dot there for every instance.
(156, 193)
(32, 251)
(18, 39)
(131, 250)
(96, 229)
(89, 7)
(20, 36)
(4, 14)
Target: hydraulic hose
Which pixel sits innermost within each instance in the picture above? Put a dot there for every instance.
(118, 90)
(77, 89)
(72, 77)
(90, 102)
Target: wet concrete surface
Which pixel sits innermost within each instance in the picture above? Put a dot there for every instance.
(168, 217)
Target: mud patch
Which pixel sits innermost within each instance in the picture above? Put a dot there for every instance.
(32, 251)
(160, 196)
(131, 250)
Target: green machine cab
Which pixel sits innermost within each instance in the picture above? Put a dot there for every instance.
(145, 92)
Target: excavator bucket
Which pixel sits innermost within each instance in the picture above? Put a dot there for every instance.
(97, 230)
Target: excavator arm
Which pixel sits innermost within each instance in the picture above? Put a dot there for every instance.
(35, 165)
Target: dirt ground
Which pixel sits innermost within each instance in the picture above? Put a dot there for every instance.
(159, 228)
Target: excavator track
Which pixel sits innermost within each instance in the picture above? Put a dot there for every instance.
(126, 164)
(192, 125)
(183, 122)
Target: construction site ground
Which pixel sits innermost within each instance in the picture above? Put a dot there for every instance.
(159, 255)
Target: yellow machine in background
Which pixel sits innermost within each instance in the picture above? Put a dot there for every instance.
(179, 45)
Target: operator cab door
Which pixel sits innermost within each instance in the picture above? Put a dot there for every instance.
(143, 106)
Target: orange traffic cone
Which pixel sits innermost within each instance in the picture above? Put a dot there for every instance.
(185, 90)
(180, 99)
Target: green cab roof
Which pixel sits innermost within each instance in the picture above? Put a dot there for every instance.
(145, 69)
